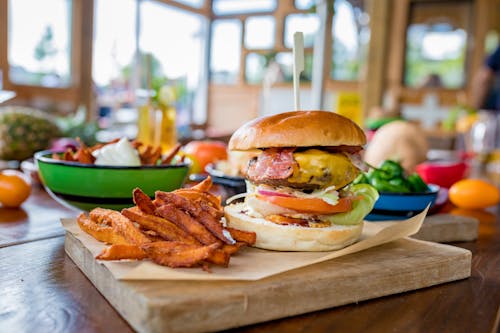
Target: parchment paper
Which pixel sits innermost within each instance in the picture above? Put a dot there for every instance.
(249, 263)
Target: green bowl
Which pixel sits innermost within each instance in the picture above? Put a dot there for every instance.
(87, 186)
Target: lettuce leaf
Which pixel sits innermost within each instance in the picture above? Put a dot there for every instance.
(360, 208)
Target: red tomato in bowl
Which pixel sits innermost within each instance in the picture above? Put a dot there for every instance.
(206, 151)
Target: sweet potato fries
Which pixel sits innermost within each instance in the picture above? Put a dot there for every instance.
(148, 154)
(182, 228)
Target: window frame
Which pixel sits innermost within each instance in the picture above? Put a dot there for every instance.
(396, 50)
(283, 9)
(80, 90)
(78, 64)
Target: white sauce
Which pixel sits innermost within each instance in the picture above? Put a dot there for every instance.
(121, 153)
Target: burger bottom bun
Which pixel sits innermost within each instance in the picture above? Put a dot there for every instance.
(272, 236)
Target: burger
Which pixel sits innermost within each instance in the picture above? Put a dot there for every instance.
(299, 192)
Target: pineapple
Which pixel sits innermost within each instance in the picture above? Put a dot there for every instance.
(24, 131)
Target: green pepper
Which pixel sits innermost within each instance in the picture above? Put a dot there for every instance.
(416, 183)
(361, 179)
(392, 169)
(400, 185)
(382, 184)
(378, 181)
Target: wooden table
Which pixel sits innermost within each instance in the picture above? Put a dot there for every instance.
(41, 289)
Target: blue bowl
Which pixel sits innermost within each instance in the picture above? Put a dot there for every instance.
(400, 206)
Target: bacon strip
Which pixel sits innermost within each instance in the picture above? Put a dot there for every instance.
(273, 163)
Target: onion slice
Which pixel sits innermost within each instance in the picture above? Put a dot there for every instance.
(273, 193)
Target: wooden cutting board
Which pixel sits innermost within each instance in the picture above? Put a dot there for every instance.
(445, 228)
(195, 306)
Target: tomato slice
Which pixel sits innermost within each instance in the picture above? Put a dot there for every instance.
(308, 205)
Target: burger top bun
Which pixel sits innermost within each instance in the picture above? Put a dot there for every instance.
(278, 237)
(298, 129)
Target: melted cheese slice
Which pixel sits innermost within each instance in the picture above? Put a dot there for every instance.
(321, 168)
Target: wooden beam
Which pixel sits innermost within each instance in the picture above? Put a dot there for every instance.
(204, 10)
(322, 55)
(4, 30)
(396, 46)
(476, 39)
(87, 98)
(373, 84)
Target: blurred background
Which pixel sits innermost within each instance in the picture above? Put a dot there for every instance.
(218, 63)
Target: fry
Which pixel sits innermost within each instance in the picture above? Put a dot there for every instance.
(84, 156)
(208, 197)
(143, 201)
(145, 154)
(152, 235)
(150, 155)
(122, 251)
(103, 233)
(155, 155)
(176, 254)
(219, 257)
(187, 223)
(242, 236)
(168, 158)
(100, 145)
(171, 232)
(232, 248)
(216, 213)
(161, 226)
(194, 209)
(204, 185)
(68, 155)
(121, 224)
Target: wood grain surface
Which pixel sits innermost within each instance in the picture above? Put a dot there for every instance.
(42, 290)
(38, 218)
(172, 306)
(445, 228)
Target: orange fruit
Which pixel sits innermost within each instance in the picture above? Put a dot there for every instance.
(473, 194)
(14, 189)
(206, 151)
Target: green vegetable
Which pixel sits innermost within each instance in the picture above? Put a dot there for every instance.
(392, 169)
(389, 185)
(416, 183)
(361, 179)
(390, 177)
(360, 208)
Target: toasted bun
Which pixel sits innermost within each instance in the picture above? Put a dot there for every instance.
(273, 236)
(298, 129)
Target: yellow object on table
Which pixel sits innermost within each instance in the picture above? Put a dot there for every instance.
(349, 105)
(156, 126)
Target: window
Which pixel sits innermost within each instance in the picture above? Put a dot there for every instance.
(259, 32)
(304, 4)
(114, 45)
(39, 49)
(225, 51)
(285, 60)
(307, 23)
(225, 7)
(192, 3)
(173, 37)
(168, 41)
(436, 44)
(350, 39)
(254, 68)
